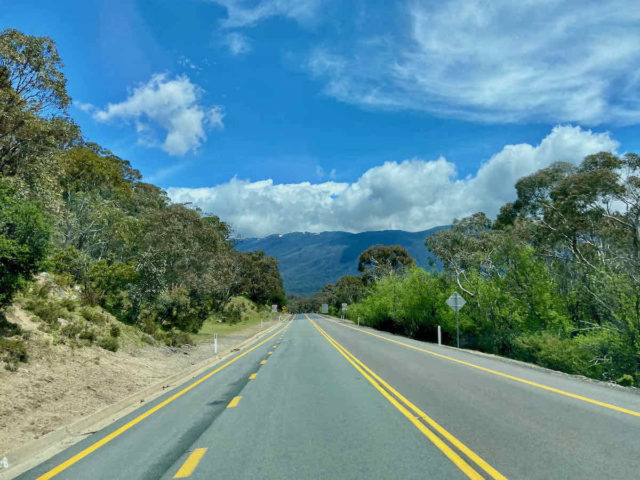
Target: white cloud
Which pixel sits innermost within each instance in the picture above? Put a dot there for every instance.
(498, 61)
(237, 43)
(85, 107)
(186, 63)
(171, 105)
(246, 13)
(410, 195)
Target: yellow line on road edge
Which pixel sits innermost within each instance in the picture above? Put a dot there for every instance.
(190, 463)
(252, 376)
(442, 446)
(501, 374)
(92, 448)
(234, 402)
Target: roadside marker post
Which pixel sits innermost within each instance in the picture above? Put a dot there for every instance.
(358, 321)
(456, 302)
(215, 343)
(344, 309)
(439, 335)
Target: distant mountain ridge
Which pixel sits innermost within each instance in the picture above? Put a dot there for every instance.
(308, 261)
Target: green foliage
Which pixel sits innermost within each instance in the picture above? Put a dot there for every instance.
(33, 69)
(93, 315)
(24, 239)
(625, 380)
(12, 352)
(175, 338)
(114, 331)
(48, 310)
(380, 260)
(114, 238)
(72, 329)
(109, 343)
(554, 280)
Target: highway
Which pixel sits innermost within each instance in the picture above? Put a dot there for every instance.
(320, 398)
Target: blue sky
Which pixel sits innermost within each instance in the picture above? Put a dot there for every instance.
(285, 115)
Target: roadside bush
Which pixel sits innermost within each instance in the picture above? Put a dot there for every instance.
(625, 380)
(88, 334)
(47, 310)
(72, 330)
(69, 303)
(149, 326)
(233, 314)
(109, 343)
(7, 328)
(42, 290)
(114, 331)
(24, 241)
(177, 339)
(93, 315)
(12, 352)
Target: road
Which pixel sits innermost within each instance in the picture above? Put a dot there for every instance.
(321, 398)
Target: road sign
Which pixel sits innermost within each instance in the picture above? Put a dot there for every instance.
(344, 307)
(456, 302)
(325, 308)
(284, 309)
(274, 308)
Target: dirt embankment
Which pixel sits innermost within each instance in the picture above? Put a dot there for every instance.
(61, 383)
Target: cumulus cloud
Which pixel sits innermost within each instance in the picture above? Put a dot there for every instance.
(237, 43)
(246, 13)
(168, 105)
(498, 61)
(85, 107)
(409, 195)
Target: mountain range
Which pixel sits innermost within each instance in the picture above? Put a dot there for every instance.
(309, 261)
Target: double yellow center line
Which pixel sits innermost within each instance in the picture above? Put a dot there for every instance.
(564, 393)
(436, 433)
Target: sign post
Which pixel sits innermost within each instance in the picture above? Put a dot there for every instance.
(439, 335)
(325, 308)
(456, 302)
(215, 343)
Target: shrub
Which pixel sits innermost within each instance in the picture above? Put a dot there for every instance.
(72, 329)
(49, 311)
(109, 343)
(88, 334)
(177, 338)
(625, 380)
(149, 326)
(7, 328)
(114, 331)
(12, 352)
(24, 241)
(42, 290)
(93, 315)
(69, 303)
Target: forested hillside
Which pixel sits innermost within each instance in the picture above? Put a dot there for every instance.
(554, 280)
(308, 261)
(73, 208)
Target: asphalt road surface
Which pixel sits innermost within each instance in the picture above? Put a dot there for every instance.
(323, 399)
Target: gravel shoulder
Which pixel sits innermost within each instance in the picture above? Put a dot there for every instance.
(62, 383)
